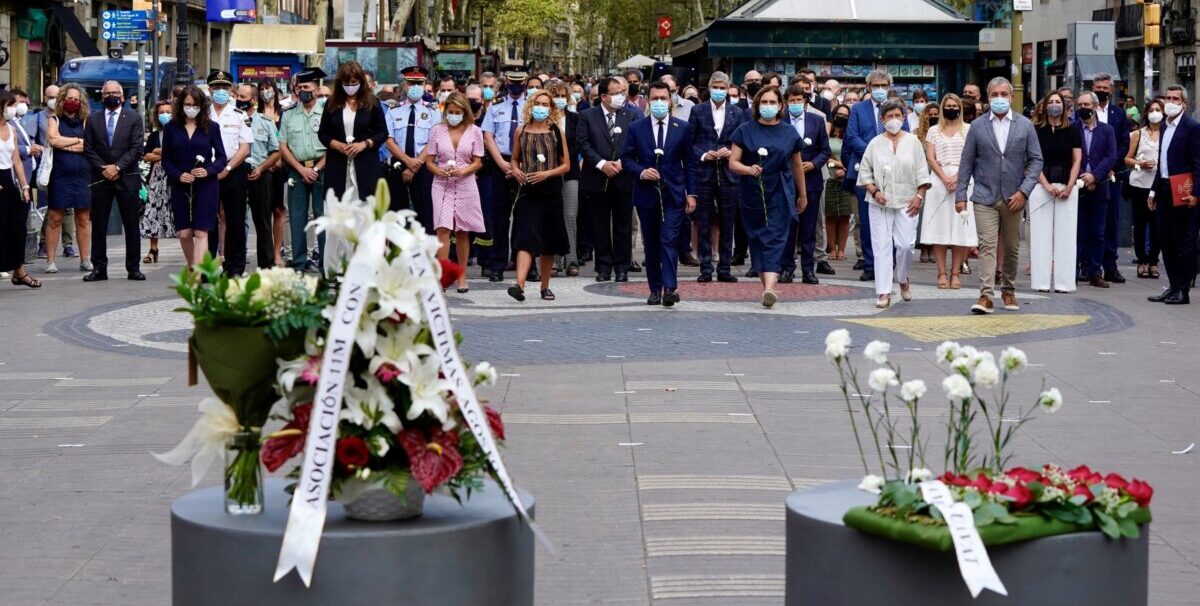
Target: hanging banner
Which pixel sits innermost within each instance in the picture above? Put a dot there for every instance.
(225, 11)
(973, 561)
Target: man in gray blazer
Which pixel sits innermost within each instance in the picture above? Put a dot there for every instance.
(1002, 154)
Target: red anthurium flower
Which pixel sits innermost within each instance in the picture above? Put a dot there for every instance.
(494, 422)
(1115, 481)
(287, 442)
(352, 452)
(434, 460)
(387, 373)
(1020, 495)
(1084, 491)
(1025, 475)
(1140, 492)
(953, 480)
(450, 272)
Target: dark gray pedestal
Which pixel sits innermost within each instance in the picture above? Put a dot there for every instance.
(479, 554)
(828, 563)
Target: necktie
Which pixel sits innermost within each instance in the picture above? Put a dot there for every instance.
(662, 128)
(878, 122)
(112, 125)
(512, 126)
(612, 122)
(410, 136)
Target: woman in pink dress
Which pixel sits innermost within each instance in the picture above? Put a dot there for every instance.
(454, 153)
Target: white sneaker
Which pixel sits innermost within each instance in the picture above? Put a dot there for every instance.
(86, 266)
(51, 268)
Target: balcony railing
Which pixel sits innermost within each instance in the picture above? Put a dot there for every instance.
(1128, 18)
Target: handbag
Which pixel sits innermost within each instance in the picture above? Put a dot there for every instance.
(43, 176)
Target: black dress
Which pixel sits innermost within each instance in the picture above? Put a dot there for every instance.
(369, 124)
(538, 224)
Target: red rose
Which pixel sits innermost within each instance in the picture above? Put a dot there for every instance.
(953, 480)
(998, 488)
(277, 449)
(450, 272)
(1020, 495)
(432, 461)
(1140, 491)
(494, 422)
(1025, 475)
(1084, 491)
(1115, 481)
(981, 483)
(352, 452)
(1080, 474)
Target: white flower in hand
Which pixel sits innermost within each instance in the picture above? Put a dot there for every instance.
(887, 168)
(291, 182)
(1051, 400)
(837, 344)
(199, 159)
(452, 163)
(872, 484)
(957, 387)
(882, 378)
(658, 152)
(762, 152)
(831, 164)
(398, 165)
(807, 141)
(877, 351)
(541, 157)
(350, 139)
(1079, 183)
(913, 390)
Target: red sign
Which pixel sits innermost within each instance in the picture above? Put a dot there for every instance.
(664, 27)
(262, 72)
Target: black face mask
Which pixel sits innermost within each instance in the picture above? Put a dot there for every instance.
(1084, 113)
(242, 105)
(752, 88)
(133, 105)
(112, 102)
(841, 121)
(694, 99)
(305, 96)
(1103, 97)
(475, 106)
(933, 120)
(952, 113)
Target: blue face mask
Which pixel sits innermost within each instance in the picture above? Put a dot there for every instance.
(164, 118)
(879, 94)
(540, 113)
(795, 109)
(220, 96)
(768, 112)
(454, 119)
(999, 105)
(489, 93)
(415, 93)
(659, 108)
(718, 95)
(560, 102)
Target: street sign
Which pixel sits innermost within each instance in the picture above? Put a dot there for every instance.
(1022, 5)
(127, 26)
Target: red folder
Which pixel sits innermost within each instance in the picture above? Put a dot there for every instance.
(1181, 187)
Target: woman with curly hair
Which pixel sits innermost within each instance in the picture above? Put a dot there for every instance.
(193, 156)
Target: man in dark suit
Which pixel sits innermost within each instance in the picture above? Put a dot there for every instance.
(658, 152)
(1109, 113)
(815, 153)
(1179, 154)
(815, 101)
(113, 142)
(712, 125)
(1099, 156)
(865, 124)
(602, 182)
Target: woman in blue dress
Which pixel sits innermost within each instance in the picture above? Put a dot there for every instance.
(193, 156)
(70, 176)
(766, 153)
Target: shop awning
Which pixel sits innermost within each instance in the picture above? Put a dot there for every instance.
(1087, 66)
(289, 39)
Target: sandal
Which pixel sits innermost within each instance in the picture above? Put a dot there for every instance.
(955, 284)
(966, 269)
(464, 290)
(1143, 271)
(26, 280)
(884, 301)
(943, 283)
(906, 291)
(573, 270)
(516, 292)
(547, 294)
(1154, 272)
(151, 257)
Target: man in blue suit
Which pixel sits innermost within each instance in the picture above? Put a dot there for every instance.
(815, 153)
(865, 124)
(1179, 154)
(1109, 113)
(1099, 156)
(712, 124)
(659, 155)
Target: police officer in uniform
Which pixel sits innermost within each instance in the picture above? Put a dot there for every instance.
(409, 124)
(237, 136)
(304, 157)
(499, 129)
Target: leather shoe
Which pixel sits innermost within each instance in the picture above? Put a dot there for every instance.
(726, 278)
(860, 265)
(750, 273)
(496, 276)
(622, 277)
(825, 268)
(689, 260)
(787, 277)
(670, 297)
(655, 299)
(809, 278)
(95, 276)
(634, 267)
(703, 278)
(867, 276)
(1178, 298)
(1097, 282)
(1163, 296)
(485, 272)
(137, 276)
(1114, 276)
(603, 277)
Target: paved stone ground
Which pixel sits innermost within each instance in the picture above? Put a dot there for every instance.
(660, 443)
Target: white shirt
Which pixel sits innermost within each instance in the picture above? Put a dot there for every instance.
(663, 124)
(234, 130)
(1000, 127)
(1102, 114)
(718, 114)
(1165, 144)
(798, 124)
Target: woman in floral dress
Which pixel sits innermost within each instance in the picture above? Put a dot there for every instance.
(454, 154)
(157, 221)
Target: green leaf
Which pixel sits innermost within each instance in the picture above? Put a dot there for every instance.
(1085, 517)
(1108, 525)
(973, 499)
(1126, 508)
(983, 517)
(1097, 489)
(1129, 528)
(1077, 500)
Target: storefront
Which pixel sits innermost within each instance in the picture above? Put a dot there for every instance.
(257, 52)
(924, 45)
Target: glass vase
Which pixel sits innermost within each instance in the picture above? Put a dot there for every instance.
(243, 474)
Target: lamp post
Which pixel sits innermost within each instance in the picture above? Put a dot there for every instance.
(181, 44)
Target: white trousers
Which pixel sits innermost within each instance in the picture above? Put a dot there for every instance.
(893, 234)
(1052, 235)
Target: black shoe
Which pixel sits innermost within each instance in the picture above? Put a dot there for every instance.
(867, 276)
(1178, 298)
(655, 299)
(750, 273)
(1080, 277)
(704, 278)
(1114, 276)
(634, 267)
(96, 276)
(787, 277)
(860, 265)
(1161, 297)
(726, 278)
(137, 276)
(689, 260)
(496, 276)
(737, 260)
(825, 268)
(485, 272)
(516, 292)
(622, 277)
(809, 278)
(670, 297)
(603, 277)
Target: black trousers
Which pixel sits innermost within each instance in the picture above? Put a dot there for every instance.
(741, 242)
(715, 205)
(416, 196)
(262, 200)
(611, 214)
(1177, 227)
(233, 203)
(496, 195)
(130, 208)
(1145, 233)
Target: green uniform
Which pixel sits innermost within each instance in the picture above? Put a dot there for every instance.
(298, 129)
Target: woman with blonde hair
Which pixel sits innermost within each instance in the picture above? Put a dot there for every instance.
(941, 226)
(70, 175)
(453, 155)
(1054, 201)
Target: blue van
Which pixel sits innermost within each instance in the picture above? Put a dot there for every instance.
(91, 73)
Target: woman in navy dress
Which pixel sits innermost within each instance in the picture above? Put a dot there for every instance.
(70, 176)
(193, 156)
(772, 193)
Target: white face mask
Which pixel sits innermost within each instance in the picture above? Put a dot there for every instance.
(10, 112)
(50, 103)
(22, 109)
(893, 126)
(268, 94)
(828, 94)
(442, 96)
(618, 101)
(191, 112)
(1173, 109)
(351, 89)
(1154, 117)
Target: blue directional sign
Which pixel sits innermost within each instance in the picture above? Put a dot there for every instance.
(127, 26)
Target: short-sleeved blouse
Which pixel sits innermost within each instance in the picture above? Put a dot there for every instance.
(1058, 144)
(948, 148)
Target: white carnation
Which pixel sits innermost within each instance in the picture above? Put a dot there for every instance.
(837, 344)
(877, 351)
(956, 387)
(912, 391)
(882, 378)
(1051, 400)
(919, 474)
(987, 373)
(1013, 360)
(379, 446)
(485, 374)
(947, 351)
(762, 152)
(872, 484)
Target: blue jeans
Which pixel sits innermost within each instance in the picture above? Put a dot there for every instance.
(300, 196)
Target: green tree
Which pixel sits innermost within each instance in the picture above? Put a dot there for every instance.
(532, 19)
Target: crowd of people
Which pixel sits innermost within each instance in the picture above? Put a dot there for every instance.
(540, 175)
